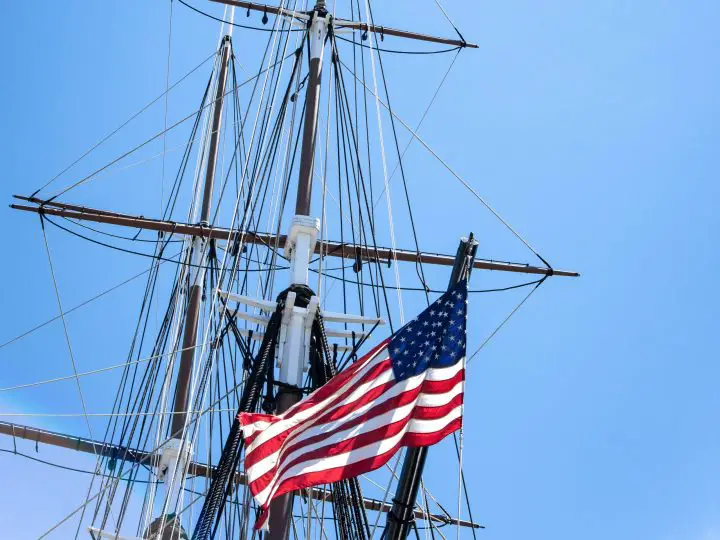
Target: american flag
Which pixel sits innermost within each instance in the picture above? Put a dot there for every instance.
(407, 391)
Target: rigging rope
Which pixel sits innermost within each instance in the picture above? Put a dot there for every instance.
(95, 371)
(141, 254)
(152, 138)
(78, 306)
(506, 319)
(109, 135)
(422, 119)
(65, 329)
(465, 184)
(218, 19)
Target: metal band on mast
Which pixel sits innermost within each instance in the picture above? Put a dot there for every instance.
(400, 518)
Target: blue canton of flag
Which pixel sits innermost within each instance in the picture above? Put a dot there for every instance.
(435, 338)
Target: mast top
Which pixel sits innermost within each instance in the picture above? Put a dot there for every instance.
(344, 23)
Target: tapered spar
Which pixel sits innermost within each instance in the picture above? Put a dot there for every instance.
(329, 248)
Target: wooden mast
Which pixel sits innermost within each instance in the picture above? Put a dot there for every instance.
(304, 231)
(176, 454)
(198, 254)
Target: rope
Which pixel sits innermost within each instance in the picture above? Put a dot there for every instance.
(65, 330)
(224, 307)
(418, 267)
(95, 371)
(391, 226)
(77, 415)
(420, 122)
(165, 117)
(515, 309)
(156, 257)
(218, 19)
(135, 465)
(78, 306)
(109, 135)
(442, 9)
(225, 471)
(152, 138)
(449, 169)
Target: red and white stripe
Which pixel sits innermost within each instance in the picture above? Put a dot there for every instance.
(350, 426)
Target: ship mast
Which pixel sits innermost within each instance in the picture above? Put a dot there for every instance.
(302, 236)
(176, 454)
(300, 243)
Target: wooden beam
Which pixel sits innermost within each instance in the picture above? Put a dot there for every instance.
(252, 6)
(133, 455)
(329, 248)
(89, 446)
(343, 23)
(385, 31)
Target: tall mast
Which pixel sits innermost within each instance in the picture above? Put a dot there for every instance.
(316, 38)
(400, 519)
(198, 250)
(301, 245)
(176, 453)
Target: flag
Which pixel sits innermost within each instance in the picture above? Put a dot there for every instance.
(407, 391)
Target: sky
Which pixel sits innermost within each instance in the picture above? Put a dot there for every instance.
(593, 128)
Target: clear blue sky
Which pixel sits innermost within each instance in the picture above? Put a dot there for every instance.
(593, 127)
